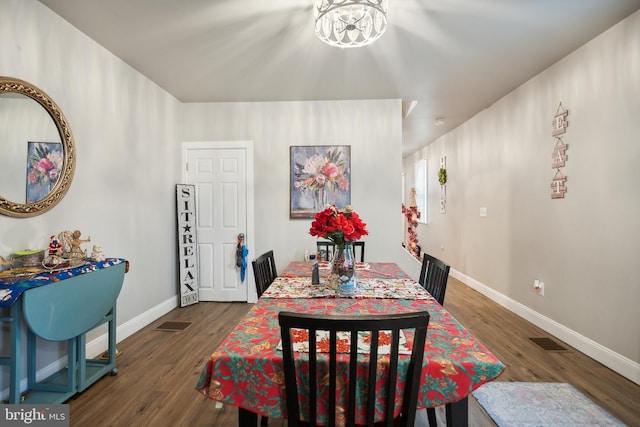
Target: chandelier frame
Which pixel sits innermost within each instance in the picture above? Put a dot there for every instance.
(350, 23)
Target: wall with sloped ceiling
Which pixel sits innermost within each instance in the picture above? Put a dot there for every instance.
(585, 246)
(126, 132)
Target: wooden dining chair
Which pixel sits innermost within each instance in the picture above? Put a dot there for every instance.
(434, 276)
(326, 248)
(326, 373)
(358, 247)
(264, 271)
(329, 247)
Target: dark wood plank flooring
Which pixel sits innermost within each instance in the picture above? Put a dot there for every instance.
(158, 370)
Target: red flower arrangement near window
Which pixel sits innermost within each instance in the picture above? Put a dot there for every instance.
(412, 214)
(337, 226)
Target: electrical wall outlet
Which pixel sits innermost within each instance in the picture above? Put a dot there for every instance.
(538, 286)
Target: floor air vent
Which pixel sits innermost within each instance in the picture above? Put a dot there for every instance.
(547, 344)
(173, 326)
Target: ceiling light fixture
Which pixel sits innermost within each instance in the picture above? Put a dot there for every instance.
(350, 23)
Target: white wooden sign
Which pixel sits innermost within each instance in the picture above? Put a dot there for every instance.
(443, 187)
(560, 122)
(559, 156)
(558, 186)
(187, 243)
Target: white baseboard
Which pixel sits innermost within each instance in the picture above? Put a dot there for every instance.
(614, 361)
(99, 344)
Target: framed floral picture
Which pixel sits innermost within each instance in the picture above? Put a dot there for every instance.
(44, 165)
(319, 175)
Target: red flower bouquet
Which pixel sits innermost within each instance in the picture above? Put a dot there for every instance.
(339, 227)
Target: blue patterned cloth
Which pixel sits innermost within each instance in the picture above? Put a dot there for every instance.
(12, 288)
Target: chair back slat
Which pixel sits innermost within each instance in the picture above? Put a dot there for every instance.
(353, 368)
(342, 381)
(371, 380)
(434, 276)
(393, 372)
(264, 271)
(332, 378)
(313, 375)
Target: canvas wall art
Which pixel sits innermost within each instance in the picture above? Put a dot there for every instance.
(319, 175)
(44, 165)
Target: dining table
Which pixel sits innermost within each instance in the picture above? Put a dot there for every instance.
(246, 369)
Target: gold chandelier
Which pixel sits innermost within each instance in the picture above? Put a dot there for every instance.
(350, 23)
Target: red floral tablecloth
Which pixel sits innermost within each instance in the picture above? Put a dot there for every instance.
(246, 369)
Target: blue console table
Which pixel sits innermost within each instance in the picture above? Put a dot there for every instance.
(62, 306)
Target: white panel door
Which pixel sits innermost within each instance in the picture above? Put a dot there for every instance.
(220, 178)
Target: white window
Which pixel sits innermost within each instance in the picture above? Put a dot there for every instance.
(420, 174)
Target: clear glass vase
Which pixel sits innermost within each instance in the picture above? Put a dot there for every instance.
(344, 268)
(320, 199)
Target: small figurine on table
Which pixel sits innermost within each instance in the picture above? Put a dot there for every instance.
(97, 254)
(76, 251)
(55, 247)
(71, 245)
(54, 254)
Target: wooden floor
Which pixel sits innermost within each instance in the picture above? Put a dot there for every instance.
(158, 369)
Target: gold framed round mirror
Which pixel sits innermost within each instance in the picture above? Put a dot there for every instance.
(37, 153)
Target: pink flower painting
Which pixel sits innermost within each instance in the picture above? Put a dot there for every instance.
(44, 165)
(320, 176)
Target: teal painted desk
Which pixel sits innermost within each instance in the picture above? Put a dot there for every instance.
(63, 307)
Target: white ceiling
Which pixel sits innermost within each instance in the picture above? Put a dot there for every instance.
(454, 57)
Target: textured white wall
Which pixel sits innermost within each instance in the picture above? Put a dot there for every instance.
(371, 128)
(126, 133)
(585, 247)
